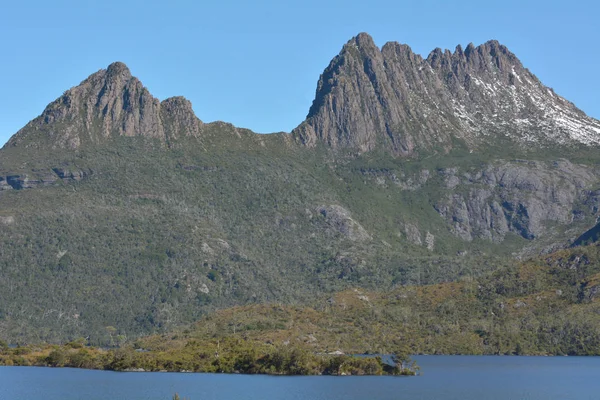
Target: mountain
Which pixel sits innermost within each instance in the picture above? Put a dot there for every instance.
(393, 98)
(109, 103)
(121, 211)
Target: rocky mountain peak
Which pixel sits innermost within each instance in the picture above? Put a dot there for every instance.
(363, 40)
(492, 55)
(361, 45)
(394, 99)
(177, 113)
(177, 104)
(110, 102)
(118, 70)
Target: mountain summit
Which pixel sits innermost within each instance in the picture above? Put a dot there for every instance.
(110, 102)
(393, 97)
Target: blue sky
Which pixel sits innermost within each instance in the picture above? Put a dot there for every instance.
(256, 64)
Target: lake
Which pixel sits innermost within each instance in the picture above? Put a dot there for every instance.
(444, 377)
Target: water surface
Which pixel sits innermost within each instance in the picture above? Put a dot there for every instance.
(444, 377)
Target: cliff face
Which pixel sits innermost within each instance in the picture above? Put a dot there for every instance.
(394, 98)
(520, 197)
(108, 103)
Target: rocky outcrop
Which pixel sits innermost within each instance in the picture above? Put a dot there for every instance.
(42, 177)
(176, 113)
(413, 235)
(110, 102)
(70, 174)
(393, 98)
(339, 220)
(520, 197)
(29, 181)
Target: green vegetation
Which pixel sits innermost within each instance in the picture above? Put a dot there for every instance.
(545, 306)
(548, 305)
(230, 355)
(154, 238)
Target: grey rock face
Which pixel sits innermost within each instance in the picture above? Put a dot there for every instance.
(394, 98)
(42, 177)
(521, 197)
(177, 114)
(110, 102)
(413, 235)
(340, 220)
(70, 174)
(26, 181)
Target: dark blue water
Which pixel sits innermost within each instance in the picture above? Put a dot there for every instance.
(444, 377)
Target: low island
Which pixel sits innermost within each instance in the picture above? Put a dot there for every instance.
(232, 355)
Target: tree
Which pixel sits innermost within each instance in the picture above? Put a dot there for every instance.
(400, 354)
(111, 330)
(56, 358)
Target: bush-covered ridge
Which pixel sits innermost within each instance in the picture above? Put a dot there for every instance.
(547, 306)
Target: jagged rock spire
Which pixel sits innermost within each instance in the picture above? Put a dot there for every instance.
(395, 99)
